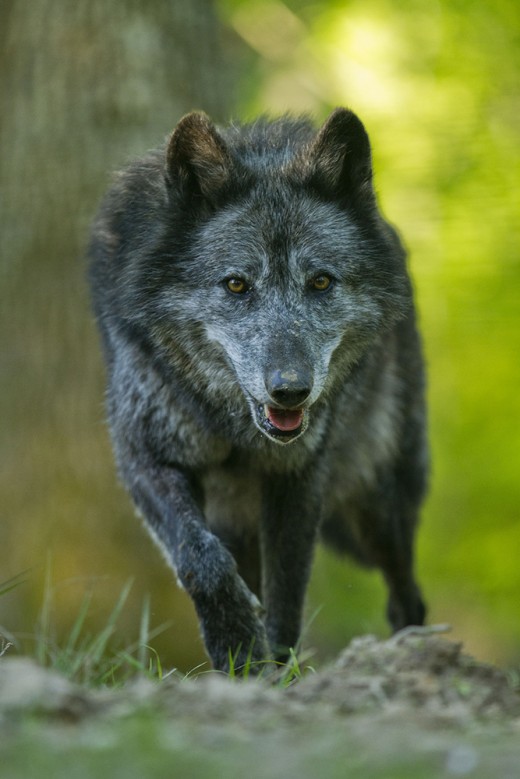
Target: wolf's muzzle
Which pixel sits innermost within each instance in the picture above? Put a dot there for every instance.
(285, 418)
(289, 388)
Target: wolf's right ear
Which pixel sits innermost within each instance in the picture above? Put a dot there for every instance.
(339, 160)
(197, 158)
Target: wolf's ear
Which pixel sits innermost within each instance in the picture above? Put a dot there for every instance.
(339, 160)
(197, 158)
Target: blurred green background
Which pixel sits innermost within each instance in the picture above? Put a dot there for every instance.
(86, 86)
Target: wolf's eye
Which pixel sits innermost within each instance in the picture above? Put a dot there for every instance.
(321, 282)
(236, 285)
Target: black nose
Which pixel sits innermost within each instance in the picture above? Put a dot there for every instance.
(289, 387)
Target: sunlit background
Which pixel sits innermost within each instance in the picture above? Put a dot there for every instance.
(86, 86)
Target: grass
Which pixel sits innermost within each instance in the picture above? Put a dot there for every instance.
(99, 659)
(281, 674)
(6, 640)
(96, 660)
(89, 659)
(10, 584)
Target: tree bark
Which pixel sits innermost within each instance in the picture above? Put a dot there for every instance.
(84, 87)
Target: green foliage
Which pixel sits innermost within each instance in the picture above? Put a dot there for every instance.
(97, 659)
(12, 583)
(281, 674)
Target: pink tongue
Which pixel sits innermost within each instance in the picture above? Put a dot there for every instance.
(284, 420)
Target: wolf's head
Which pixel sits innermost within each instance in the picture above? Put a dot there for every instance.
(281, 263)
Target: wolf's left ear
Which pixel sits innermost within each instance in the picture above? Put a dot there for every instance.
(339, 160)
(197, 159)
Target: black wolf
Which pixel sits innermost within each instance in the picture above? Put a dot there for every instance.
(264, 368)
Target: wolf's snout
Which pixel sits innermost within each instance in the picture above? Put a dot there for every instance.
(289, 388)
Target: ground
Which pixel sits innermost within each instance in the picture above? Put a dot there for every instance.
(413, 706)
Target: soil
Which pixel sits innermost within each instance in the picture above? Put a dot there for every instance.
(414, 705)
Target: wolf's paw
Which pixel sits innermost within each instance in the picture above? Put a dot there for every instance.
(233, 630)
(405, 609)
(238, 646)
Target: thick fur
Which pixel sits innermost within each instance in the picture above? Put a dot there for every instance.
(196, 370)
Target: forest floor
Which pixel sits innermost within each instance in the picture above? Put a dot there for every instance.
(414, 706)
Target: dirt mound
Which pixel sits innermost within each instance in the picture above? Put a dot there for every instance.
(412, 706)
(416, 670)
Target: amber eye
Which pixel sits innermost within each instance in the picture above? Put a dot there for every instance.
(321, 282)
(236, 286)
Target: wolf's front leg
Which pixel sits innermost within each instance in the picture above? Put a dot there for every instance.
(229, 613)
(289, 528)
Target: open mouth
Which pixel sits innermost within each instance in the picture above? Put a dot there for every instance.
(280, 424)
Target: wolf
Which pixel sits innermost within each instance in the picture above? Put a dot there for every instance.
(265, 377)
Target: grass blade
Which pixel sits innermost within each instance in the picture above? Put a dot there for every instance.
(13, 582)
